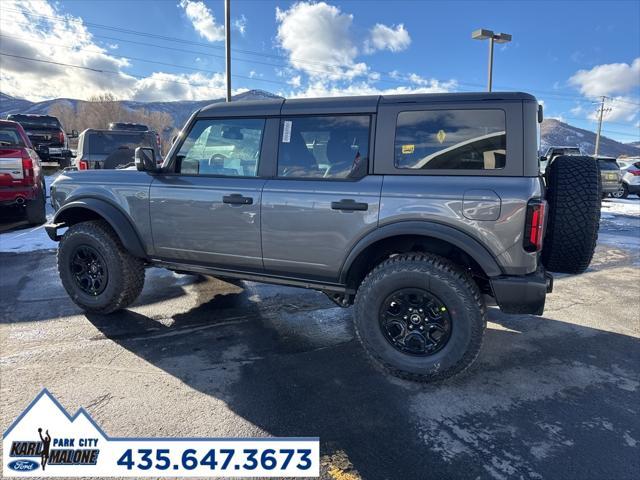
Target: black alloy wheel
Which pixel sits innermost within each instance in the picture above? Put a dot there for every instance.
(415, 322)
(89, 270)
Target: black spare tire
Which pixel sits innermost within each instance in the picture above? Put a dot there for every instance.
(573, 195)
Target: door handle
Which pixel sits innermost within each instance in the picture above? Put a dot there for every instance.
(237, 199)
(348, 204)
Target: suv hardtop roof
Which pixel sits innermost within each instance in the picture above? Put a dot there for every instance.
(354, 104)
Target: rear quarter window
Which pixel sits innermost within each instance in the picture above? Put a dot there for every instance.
(451, 139)
(9, 136)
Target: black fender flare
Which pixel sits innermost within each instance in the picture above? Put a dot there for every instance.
(112, 215)
(463, 241)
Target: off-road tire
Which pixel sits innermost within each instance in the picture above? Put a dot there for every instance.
(125, 272)
(36, 210)
(446, 281)
(573, 194)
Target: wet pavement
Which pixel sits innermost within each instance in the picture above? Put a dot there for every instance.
(555, 396)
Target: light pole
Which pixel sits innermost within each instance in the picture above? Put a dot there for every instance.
(227, 47)
(482, 34)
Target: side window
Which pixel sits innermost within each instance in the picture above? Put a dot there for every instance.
(451, 139)
(324, 147)
(229, 147)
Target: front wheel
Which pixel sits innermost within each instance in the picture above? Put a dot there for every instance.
(420, 317)
(97, 272)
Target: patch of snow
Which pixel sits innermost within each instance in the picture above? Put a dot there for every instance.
(621, 206)
(28, 239)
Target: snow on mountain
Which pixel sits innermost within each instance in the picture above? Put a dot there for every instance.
(179, 110)
(555, 132)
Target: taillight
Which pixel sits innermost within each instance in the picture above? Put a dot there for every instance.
(534, 226)
(27, 169)
(83, 165)
(61, 137)
(635, 173)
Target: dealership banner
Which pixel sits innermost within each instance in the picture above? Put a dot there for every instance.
(45, 441)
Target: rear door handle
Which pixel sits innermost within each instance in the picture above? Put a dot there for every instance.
(237, 199)
(348, 204)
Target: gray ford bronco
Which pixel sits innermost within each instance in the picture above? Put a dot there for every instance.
(419, 210)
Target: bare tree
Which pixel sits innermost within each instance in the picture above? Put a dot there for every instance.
(100, 110)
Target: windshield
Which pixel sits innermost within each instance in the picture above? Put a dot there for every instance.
(9, 136)
(104, 143)
(608, 165)
(35, 121)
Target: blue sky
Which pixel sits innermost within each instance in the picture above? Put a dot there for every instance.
(566, 53)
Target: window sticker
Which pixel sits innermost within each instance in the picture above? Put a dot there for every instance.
(408, 149)
(286, 131)
(441, 136)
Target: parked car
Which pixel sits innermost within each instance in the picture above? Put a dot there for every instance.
(448, 209)
(109, 149)
(553, 152)
(21, 180)
(610, 176)
(47, 136)
(630, 181)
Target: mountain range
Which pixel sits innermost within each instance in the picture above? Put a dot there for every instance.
(552, 131)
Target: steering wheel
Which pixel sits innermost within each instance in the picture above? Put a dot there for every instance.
(217, 156)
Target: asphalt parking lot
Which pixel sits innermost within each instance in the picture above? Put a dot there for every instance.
(556, 396)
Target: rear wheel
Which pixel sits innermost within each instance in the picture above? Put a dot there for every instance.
(625, 191)
(573, 194)
(619, 193)
(35, 209)
(420, 317)
(96, 271)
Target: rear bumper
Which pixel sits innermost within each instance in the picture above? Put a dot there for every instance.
(633, 187)
(16, 195)
(611, 187)
(523, 294)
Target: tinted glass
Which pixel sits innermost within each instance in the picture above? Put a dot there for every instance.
(35, 121)
(608, 165)
(222, 147)
(323, 147)
(451, 139)
(105, 143)
(10, 136)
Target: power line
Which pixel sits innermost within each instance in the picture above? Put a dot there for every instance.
(69, 47)
(577, 98)
(97, 70)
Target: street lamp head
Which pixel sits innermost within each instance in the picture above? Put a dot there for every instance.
(502, 38)
(481, 34)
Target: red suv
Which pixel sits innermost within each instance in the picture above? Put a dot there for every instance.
(21, 179)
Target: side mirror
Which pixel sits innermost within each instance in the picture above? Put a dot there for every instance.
(543, 159)
(145, 159)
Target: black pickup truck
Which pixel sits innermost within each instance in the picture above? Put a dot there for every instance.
(47, 136)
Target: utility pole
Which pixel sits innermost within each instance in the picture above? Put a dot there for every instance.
(490, 80)
(601, 111)
(227, 45)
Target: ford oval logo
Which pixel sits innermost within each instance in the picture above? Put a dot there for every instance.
(23, 465)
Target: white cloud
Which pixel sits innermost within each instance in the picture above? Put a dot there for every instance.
(320, 88)
(203, 20)
(317, 37)
(240, 24)
(162, 86)
(65, 39)
(382, 37)
(295, 81)
(607, 79)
